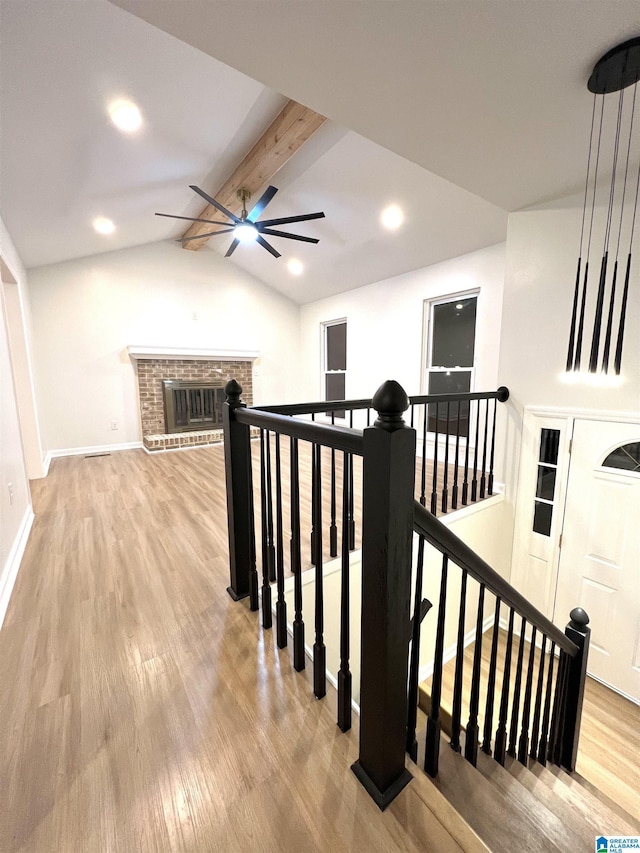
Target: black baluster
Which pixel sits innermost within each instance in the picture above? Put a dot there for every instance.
(344, 674)
(266, 588)
(474, 481)
(544, 734)
(314, 555)
(423, 473)
(434, 484)
(456, 708)
(491, 683)
(523, 743)
(465, 481)
(352, 516)
(493, 447)
(473, 731)
(515, 709)
(319, 650)
(351, 418)
(412, 414)
(483, 478)
(535, 728)
(254, 582)
(369, 416)
(557, 718)
(414, 661)
(281, 604)
(432, 748)
(333, 530)
(500, 750)
(454, 492)
(296, 560)
(272, 549)
(445, 477)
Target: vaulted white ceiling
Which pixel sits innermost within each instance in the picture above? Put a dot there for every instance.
(458, 111)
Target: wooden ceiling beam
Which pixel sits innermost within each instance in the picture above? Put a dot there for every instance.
(286, 134)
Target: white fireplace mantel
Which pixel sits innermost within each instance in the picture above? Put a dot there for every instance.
(146, 352)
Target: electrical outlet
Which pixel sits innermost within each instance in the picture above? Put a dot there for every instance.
(115, 425)
(10, 486)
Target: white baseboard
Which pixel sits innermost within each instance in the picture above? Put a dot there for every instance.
(10, 570)
(426, 671)
(89, 451)
(46, 463)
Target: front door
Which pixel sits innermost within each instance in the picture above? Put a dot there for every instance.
(600, 553)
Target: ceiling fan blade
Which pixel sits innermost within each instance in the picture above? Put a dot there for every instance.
(262, 202)
(210, 234)
(192, 219)
(232, 248)
(268, 247)
(285, 220)
(216, 204)
(288, 236)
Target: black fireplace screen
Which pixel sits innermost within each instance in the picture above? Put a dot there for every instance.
(192, 405)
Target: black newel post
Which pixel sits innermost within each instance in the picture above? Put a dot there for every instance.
(237, 462)
(577, 631)
(387, 527)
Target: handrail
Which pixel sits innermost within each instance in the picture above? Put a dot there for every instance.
(502, 395)
(337, 437)
(439, 535)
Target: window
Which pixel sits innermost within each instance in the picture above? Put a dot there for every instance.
(335, 361)
(625, 458)
(546, 481)
(450, 356)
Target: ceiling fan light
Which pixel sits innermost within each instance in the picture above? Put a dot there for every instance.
(245, 232)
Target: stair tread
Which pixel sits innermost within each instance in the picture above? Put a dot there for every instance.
(580, 809)
(506, 816)
(527, 809)
(557, 778)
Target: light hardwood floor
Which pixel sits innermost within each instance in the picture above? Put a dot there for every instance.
(143, 710)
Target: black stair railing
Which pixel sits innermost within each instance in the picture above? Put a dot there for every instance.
(545, 727)
(387, 519)
(456, 431)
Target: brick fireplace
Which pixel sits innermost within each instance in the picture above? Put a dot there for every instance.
(154, 365)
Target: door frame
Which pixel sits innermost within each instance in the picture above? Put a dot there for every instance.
(533, 417)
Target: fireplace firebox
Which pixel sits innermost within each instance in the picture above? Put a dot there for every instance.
(192, 405)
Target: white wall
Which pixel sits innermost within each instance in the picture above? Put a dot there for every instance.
(541, 258)
(15, 511)
(87, 312)
(385, 325)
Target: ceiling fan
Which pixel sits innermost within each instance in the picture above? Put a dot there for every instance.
(245, 227)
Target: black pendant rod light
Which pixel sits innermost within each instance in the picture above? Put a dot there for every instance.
(614, 72)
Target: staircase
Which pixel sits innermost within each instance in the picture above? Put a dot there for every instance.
(517, 809)
(528, 702)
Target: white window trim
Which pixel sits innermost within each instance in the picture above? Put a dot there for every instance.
(323, 354)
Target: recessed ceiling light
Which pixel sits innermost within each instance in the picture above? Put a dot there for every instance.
(245, 232)
(392, 217)
(295, 266)
(103, 226)
(459, 306)
(126, 116)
